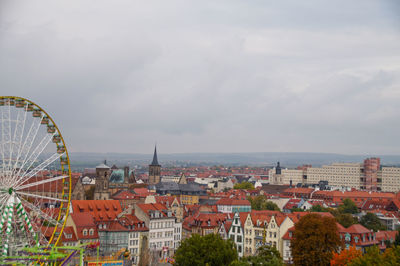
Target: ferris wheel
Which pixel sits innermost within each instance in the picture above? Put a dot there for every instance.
(35, 177)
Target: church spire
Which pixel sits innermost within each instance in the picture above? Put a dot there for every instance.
(155, 160)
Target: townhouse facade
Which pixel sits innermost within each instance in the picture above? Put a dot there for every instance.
(236, 233)
(162, 226)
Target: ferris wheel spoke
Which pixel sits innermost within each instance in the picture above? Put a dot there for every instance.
(6, 137)
(18, 135)
(37, 169)
(26, 147)
(40, 182)
(37, 151)
(41, 213)
(40, 196)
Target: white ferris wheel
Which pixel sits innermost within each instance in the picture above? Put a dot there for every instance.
(35, 177)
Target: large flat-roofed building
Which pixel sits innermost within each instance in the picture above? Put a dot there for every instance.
(337, 174)
(369, 175)
(390, 178)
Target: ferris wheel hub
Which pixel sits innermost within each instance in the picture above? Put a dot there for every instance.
(10, 190)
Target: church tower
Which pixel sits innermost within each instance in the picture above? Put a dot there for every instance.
(154, 169)
(103, 172)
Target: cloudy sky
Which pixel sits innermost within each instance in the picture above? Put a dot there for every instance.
(209, 76)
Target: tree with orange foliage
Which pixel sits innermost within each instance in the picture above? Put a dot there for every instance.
(345, 256)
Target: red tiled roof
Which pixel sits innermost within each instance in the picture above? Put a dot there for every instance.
(147, 207)
(357, 229)
(202, 219)
(289, 234)
(166, 199)
(301, 190)
(233, 202)
(101, 210)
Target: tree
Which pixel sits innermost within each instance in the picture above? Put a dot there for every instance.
(397, 239)
(243, 185)
(266, 256)
(373, 256)
(392, 256)
(348, 206)
(201, 250)
(318, 208)
(345, 256)
(345, 219)
(315, 238)
(260, 202)
(372, 222)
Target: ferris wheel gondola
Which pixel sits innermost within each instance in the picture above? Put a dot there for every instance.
(35, 177)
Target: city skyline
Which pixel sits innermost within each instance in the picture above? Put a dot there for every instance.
(225, 77)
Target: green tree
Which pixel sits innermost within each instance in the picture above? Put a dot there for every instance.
(243, 185)
(260, 203)
(397, 239)
(318, 208)
(209, 250)
(345, 219)
(348, 206)
(373, 256)
(372, 222)
(315, 239)
(266, 256)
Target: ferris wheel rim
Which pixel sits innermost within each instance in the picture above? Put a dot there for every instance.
(59, 227)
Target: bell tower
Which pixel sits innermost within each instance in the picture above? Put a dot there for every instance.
(154, 169)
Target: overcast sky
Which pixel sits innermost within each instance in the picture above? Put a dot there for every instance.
(209, 76)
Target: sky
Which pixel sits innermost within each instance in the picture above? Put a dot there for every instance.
(209, 76)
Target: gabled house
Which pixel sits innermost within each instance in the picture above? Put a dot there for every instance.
(224, 229)
(236, 231)
(84, 227)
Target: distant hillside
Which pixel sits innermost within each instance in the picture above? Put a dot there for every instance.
(287, 159)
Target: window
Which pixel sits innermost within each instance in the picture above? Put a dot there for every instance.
(91, 232)
(85, 232)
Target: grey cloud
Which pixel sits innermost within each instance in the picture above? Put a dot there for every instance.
(209, 76)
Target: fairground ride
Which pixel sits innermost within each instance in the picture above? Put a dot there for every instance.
(35, 178)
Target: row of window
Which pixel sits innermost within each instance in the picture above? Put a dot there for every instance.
(133, 242)
(158, 225)
(85, 232)
(134, 235)
(160, 234)
(159, 245)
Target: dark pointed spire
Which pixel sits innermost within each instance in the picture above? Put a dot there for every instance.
(155, 160)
